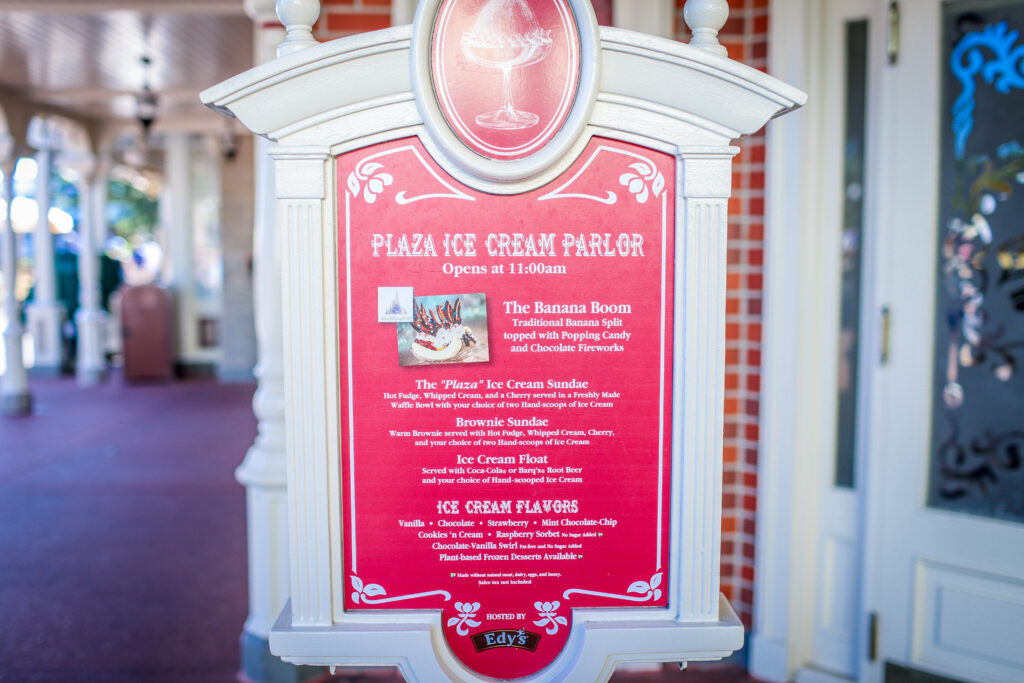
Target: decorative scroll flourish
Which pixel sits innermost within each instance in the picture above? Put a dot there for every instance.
(467, 611)
(366, 593)
(376, 180)
(637, 182)
(643, 180)
(645, 590)
(979, 464)
(1004, 69)
(548, 611)
(369, 179)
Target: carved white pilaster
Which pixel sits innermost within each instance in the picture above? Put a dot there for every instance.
(309, 304)
(705, 19)
(701, 249)
(45, 315)
(14, 389)
(90, 319)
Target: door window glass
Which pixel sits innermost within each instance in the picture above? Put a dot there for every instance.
(852, 248)
(977, 463)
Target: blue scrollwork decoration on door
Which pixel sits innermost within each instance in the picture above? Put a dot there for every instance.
(992, 53)
(977, 464)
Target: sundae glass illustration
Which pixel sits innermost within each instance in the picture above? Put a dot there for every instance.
(506, 36)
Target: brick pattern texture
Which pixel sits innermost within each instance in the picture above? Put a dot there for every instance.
(340, 18)
(745, 35)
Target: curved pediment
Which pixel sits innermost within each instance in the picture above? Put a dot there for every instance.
(364, 88)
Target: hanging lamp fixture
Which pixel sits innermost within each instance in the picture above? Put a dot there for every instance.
(146, 102)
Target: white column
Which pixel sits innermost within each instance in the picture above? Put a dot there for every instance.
(90, 318)
(45, 314)
(176, 219)
(16, 399)
(777, 638)
(656, 17)
(404, 11)
(262, 472)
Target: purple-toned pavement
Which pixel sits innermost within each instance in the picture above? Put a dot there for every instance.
(122, 533)
(122, 538)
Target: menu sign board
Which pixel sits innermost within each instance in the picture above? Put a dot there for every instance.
(493, 377)
(506, 396)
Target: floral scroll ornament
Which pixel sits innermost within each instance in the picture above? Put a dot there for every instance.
(638, 591)
(374, 594)
(466, 610)
(1004, 68)
(363, 591)
(648, 589)
(374, 178)
(370, 179)
(642, 180)
(637, 181)
(548, 612)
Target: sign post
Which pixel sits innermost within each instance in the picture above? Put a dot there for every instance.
(503, 238)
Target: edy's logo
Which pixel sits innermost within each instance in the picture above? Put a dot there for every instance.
(521, 639)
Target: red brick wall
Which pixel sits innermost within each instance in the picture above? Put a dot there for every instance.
(339, 18)
(745, 35)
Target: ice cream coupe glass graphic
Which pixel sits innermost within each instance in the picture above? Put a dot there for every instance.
(506, 36)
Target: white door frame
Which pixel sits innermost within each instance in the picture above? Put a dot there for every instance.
(784, 481)
(795, 408)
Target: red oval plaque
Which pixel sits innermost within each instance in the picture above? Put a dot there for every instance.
(505, 72)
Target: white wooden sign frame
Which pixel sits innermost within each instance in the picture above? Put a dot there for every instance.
(335, 97)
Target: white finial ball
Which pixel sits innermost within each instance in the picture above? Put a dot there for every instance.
(298, 12)
(706, 14)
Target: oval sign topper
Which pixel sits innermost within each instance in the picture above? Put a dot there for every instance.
(505, 72)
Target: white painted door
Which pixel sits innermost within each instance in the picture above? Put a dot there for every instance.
(944, 577)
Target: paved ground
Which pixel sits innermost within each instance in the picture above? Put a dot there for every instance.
(122, 533)
(122, 537)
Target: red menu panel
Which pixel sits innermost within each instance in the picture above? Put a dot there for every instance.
(506, 396)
